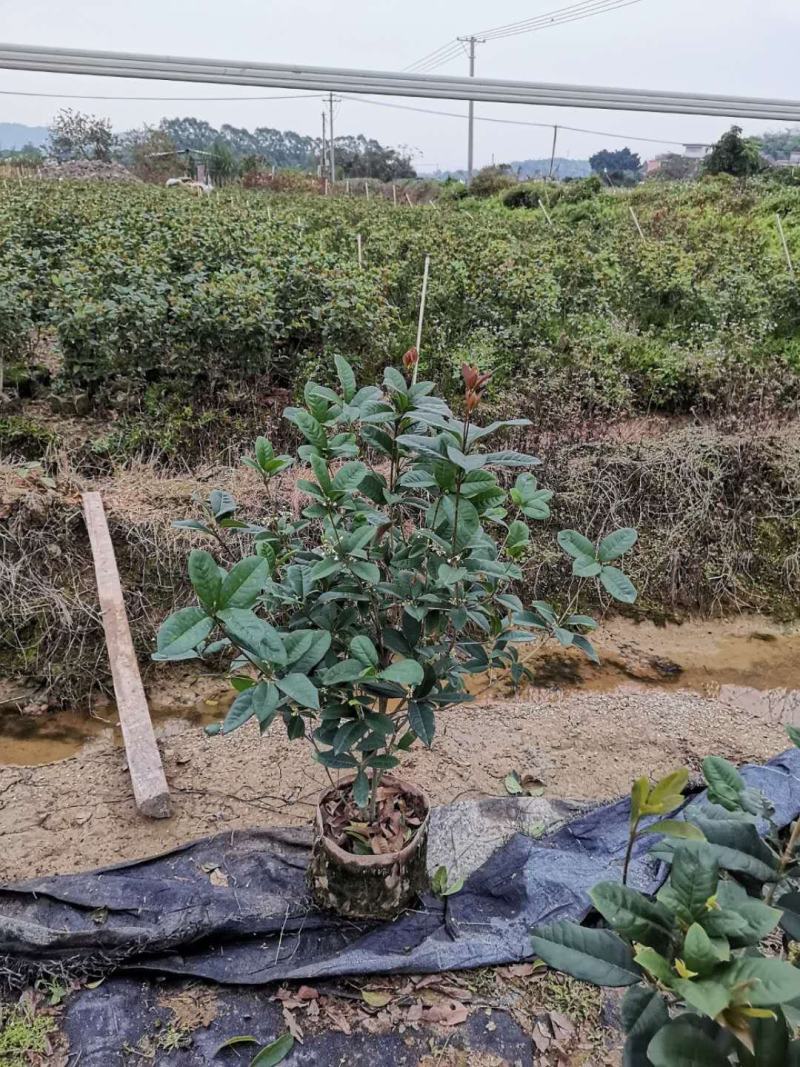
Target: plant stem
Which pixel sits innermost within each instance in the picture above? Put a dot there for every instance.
(786, 859)
(629, 852)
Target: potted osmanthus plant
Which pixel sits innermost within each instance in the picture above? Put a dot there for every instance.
(354, 623)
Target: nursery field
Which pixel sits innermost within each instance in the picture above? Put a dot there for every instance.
(334, 547)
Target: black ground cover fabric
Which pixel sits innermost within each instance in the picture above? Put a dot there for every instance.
(174, 914)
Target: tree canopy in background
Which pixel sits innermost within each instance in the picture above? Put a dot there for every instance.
(74, 135)
(734, 154)
(621, 165)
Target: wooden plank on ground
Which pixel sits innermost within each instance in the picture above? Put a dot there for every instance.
(150, 788)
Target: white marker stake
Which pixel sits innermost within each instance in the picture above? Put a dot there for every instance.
(269, 213)
(347, 187)
(633, 216)
(408, 198)
(360, 256)
(423, 298)
(786, 251)
(394, 194)
(546, 212)
(326, 186)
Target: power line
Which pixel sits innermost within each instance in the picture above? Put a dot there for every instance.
(572, 13)
(509, 122)
(442, 55)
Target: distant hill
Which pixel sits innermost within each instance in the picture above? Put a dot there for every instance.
(14, 135)
(534, 168)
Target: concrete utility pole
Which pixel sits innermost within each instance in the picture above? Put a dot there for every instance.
(471, 41)
(332, 151)
(322, 150)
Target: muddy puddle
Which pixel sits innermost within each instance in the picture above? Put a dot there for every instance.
(748, 663)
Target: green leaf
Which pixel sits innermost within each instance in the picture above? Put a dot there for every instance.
(308, 426)
(404, 671)
(725, 784)
(273, 1053)
(510, 459)
(790, 920)
(633, 915)
(367, 572)
(221, 503)
(460, 523)
(449, 576)
(643, 1012)
(616, 544)
(422, 721)
(681, 1043)
(206, 578)
(251, 633)
(676, 828)
(346, 377)
(318, 648)
(793, 734)
(244, 583)
(518, 536)
(618, 585)
(325, 568)
(300, 689)
(364, 650)
(346, 670)
(264, 452)
(586, 646)
(661, 797)
(771, 982)
(183, 631)
(702, 953)
(692, 882)
(586, 567)
(266, 699)
(348, 478)
(655, 964)
(239, 712)
(575, 544)
(361, 789)
(639, 793)
(592, 955)
(348, 734)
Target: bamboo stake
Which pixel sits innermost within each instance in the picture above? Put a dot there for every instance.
(366, 190)
(394, 194)
(408, 198)
(421, 319)
(546, 212)
(633, 216)
(360, 255)
(786, 251)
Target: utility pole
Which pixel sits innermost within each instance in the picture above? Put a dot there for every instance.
(332, 152)
(322, 150)
(471, 41)
(553, 153)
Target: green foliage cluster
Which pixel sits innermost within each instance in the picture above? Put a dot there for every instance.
(701, 989)
(356, 622)
(142, 285)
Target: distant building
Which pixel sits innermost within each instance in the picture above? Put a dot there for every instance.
(652, 166)
(792, 161)
(696, 151)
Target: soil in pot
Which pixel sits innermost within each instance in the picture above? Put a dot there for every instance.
(370, 869)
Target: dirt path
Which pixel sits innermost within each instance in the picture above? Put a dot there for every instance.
(77, 813)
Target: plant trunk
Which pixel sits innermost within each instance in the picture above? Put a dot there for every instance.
(372, 886)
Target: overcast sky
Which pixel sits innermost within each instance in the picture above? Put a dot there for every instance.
(740, 47)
